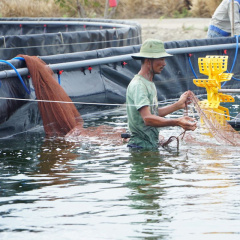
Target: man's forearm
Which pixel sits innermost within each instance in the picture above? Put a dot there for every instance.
(164, 111)
(156, 121)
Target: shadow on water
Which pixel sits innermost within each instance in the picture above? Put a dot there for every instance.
(169, 190)
(146, 173)
(18, 159)
(56, 152)
(97, 191)
(28, 157)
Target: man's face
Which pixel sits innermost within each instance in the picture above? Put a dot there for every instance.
(158, 65)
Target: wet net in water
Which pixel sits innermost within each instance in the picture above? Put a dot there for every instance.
(63, 119)
(60, 116)
(223, 132)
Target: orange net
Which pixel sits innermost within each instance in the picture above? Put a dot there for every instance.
(60, 116)
(223, 133)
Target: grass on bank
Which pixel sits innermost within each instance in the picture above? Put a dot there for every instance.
(26, 8)
(95, 8)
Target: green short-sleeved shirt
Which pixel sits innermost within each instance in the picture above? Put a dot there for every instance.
(141, 92)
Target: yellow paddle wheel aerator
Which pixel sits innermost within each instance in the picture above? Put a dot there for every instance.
(214, 67)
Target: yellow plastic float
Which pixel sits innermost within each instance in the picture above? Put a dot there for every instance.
(214, 67)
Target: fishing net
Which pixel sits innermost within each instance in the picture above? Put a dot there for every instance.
(61, 118)
(59, 115)
(223, 132)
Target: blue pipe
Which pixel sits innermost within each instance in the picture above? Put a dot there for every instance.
(19, 58)
(234, 61)
(233, 65)
(19, 76)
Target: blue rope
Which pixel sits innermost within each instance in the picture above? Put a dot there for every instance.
(190, 63)
(233, 65)
(19, 76)
(234, 61)
(236, 53)
(21, 58)
(236, 79)
(59, 79)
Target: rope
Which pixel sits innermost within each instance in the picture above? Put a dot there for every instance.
(165, 144)
(4, 42)
(66, 44)
(61, 35)
(170, 139)
(47, 101)
(99, 104)
(83, 103)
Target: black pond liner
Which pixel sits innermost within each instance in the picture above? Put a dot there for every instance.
(50, 36)
(95, 57)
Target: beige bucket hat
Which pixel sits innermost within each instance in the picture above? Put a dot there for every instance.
(152, 48)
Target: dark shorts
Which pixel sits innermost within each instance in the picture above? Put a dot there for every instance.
(134, 146)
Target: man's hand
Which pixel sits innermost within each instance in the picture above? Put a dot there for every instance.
(184, 99)
(187, 123)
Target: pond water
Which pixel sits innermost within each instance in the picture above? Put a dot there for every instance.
(54, 189)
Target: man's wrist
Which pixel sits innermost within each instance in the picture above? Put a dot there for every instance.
(177, 106)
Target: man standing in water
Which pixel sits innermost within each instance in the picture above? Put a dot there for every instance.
(144, 116)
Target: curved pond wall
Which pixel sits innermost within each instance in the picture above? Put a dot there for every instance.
(111, 70)
(48, 36)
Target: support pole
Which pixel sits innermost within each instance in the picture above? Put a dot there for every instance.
(229, 90)
(126, 57)
(106, 9)
(233, 22)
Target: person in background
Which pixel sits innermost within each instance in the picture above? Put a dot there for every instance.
(221, 23)
(144, 116)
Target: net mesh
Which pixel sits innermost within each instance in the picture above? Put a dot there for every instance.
(223, 132)
(58, 118)
(63, 119)
(59, 115)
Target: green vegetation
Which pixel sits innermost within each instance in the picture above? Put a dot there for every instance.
(183, 14)
(99, 8)
(187, 28)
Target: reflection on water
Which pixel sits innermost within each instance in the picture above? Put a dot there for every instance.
(56, 189)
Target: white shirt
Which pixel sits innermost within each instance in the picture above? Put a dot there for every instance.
(222, 17)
